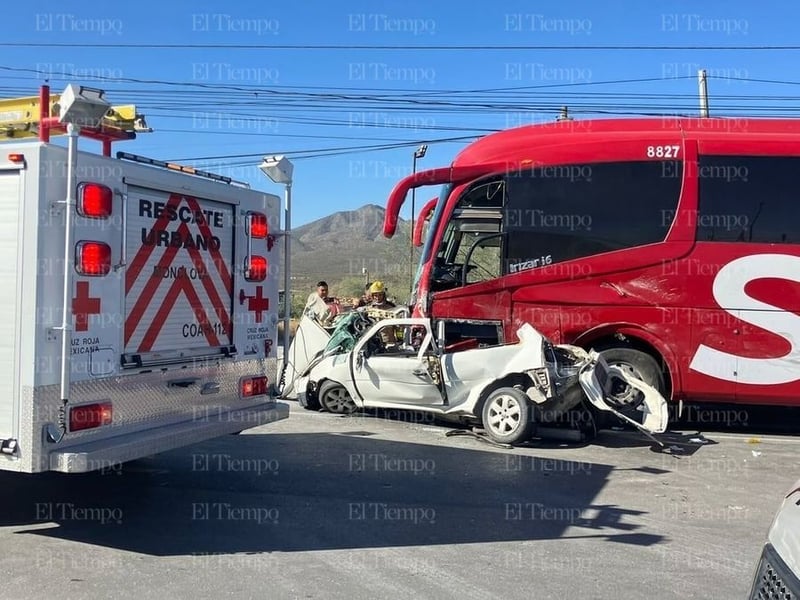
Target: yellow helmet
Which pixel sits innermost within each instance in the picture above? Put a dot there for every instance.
(376, 288)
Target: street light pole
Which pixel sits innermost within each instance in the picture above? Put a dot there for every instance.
(287, 279)
(280, 169)
(80, 106)
(418, 153)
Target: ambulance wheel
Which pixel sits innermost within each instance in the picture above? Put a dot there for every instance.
(506, 416)
(638, 364)
(335, 398)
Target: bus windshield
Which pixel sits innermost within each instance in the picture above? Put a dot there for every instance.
(427, 248)
(470, 248)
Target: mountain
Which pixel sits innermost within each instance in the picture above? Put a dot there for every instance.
(338, 247)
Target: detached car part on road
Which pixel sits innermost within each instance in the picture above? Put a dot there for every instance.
(511, 390)
(778, 572)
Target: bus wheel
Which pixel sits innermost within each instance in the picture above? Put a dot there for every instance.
(335, 398)
(506, 416)
(638, 364)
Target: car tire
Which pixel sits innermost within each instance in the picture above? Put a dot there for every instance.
(335, 398)
(639, 364)
(309, 401)
(506, 416)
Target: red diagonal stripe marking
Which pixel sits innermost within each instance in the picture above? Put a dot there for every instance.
(213, 295)
(148, 292)
(161, 316)
(200, 313)
(218, 261)
(185, 286)
(138, 262)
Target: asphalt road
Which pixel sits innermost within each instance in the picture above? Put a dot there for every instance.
(320, 506)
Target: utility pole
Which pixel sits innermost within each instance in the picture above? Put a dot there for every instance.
(703, 83)
(418, 153)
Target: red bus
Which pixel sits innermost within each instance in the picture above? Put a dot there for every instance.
(671, 244)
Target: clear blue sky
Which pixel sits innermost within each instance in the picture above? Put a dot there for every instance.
(295, 101)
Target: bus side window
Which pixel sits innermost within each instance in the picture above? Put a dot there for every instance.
(748, 199)
(564, 212)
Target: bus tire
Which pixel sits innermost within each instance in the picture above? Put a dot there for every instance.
(637, 363)
(506, 416)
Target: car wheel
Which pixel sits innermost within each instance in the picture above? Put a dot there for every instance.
(335, 398)
(638, 364)
(506, 415)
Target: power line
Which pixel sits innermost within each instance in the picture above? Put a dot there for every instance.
(389, 93)
(425, 47)
(318, 150)
(293, 135)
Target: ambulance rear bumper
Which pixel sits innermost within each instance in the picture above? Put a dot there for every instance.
(92, 456)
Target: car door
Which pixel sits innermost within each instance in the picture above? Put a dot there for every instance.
(404, 374)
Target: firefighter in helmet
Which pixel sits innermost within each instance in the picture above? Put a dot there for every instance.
(389, 336)
(378, 292)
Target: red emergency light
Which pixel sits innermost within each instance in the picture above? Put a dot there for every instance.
(90, 416)
(94, 200)
(257, 225)
(255, 268)
(92, 258)
(254, 386)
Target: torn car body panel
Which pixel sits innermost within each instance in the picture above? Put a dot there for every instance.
(309, 339)
(596, 381)
(401, 363)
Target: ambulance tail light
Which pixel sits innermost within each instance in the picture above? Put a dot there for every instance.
(92, 258)
(90, 416)
(254, 386)
(255, 268)
(257, 226)
(94, 200)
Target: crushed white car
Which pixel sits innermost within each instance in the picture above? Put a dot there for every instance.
(777, 574)
(510, 390)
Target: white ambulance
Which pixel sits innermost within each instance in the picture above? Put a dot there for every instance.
(138, 308)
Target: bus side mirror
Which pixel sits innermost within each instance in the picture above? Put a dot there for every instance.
(440, 336)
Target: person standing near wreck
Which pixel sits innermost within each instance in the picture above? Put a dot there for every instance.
(320, 304)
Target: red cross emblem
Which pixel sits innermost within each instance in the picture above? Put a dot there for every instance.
(257, 303)
(84, 305)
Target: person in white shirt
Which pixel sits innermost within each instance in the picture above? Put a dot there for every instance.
(320, 305)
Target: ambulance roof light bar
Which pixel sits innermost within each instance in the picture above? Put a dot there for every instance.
(181, 168)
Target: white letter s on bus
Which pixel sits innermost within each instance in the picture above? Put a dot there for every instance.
(729, 291)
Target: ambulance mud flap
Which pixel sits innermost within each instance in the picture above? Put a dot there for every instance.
(596, 379)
